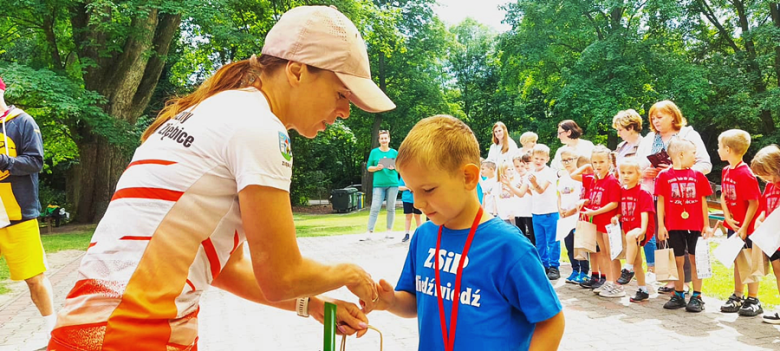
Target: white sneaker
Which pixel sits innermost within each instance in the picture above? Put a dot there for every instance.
(389, 236)
(614, 290)
(366, 237)
(650, 277)
(603, 287)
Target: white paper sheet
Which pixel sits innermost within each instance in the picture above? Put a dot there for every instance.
(767, 235)
(615, 240)
(703, 263)
(728, 250)
(565, 226)
(4, 221)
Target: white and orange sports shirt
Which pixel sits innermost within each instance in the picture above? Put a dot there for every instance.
(171, 226)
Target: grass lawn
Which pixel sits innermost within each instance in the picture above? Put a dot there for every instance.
(51, 243)
(308, 225)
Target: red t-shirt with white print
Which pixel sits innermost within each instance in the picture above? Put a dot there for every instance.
(770, 201)
(682, 190)
(634, 202)
(603, 192)
(737, 201)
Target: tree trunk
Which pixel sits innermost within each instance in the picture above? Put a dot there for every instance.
(775, 12)
(127, 78)
(755, 75)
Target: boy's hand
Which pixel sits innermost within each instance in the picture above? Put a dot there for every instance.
(742, 232)
(732, 223)
(614, 220)
(386, 295)
(707, 232)
(589, 213)
(532, 178)
(663, 234)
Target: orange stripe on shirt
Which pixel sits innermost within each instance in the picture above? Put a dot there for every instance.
(135, 237)
(151, 162)
(147, 193)
(211, 254)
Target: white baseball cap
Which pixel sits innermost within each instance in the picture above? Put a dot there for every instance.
(323, 37)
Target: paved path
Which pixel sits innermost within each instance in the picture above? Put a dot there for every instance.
(592, 323)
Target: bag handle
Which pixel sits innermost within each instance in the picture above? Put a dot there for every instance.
(663, 244)
(344, 339)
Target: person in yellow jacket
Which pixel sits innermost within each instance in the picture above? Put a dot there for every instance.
(21, 159)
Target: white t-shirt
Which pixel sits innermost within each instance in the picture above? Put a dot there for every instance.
(546, 202)
(506, 201)
(488, 191)
(174, 220)
(525, 203)
(583, 148)
(569, 190)
(495, 154)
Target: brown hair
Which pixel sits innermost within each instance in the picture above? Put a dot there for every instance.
(668, 107)
(573, 127)
(504, 140)
(767, 162)
(628, 119)
(440, 141)
(235, 75)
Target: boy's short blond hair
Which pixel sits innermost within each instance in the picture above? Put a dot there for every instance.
(735, 139)
(440, 141)
(583, 160)
(629, 162)
(766, 163)
(528, 137)
(541, 149)
(678, 145)
(489, 164)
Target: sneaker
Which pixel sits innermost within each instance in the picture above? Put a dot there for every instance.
(696, 304)
(582, 278)
(640, 296)
(751, 307)
(389, 236)
(625, 277)
(553, 274)
(406, 238)
(588, 283)
(665, 290)
(676, 302)
(366, 237)
(614, 290)
(601, 287)
(650, 277)
(572, 279)
(600, 283)
(733, 304)
(772, 318)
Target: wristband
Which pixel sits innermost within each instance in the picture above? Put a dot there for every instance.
(302, 307)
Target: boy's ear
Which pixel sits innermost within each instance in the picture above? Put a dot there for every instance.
(471, 176)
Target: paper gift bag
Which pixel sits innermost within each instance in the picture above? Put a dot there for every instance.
(585, 236)
(665, 264)
(581, 254)
(616, 241)
(329, 340)
(744, 264)
(703, 263)
(759, 264)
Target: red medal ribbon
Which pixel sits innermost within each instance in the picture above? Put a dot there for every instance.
(449, 338)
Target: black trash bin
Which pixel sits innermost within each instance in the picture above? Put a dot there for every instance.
(343, 200)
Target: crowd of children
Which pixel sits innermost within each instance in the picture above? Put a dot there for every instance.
(596, 189)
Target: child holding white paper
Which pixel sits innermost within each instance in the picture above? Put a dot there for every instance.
(637, 219)
(766, 165)
(601, 206)
(739, 210)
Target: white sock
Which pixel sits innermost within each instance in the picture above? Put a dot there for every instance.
(629, 267)
(49, 322)
(643, 289)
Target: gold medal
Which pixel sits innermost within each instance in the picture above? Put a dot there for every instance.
(684, 215)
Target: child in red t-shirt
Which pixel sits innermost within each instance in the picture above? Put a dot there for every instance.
(739, 212)
(584, 173)
(637, 219)
(683, 216)
(766, 165)
(601, 206)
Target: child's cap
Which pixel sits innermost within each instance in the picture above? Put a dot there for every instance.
(323, 37)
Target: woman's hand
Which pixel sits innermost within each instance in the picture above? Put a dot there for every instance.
(380, 167)
(362, 286)
(650, 172)
(349, 318)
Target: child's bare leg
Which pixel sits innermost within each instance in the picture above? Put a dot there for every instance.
(631, 250)
(417, 220)
(679, 283)
(408, 222)
(594, 262)
(640, 272)
(606, 264)
(695, 277)
(739, 288)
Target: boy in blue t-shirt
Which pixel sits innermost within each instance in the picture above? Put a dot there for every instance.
(503, 299)
(409, 210)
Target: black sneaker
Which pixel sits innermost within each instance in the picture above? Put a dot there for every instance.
(695, 304)
(553, 273)
(406, 238)
(665, 290)
(676, 302)
(625, 277)
(599, 283)
(640, 296)
(589, 284)
(751, 307)
(733, 305)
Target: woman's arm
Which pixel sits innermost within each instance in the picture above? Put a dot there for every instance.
(703, 163)
(279, 269)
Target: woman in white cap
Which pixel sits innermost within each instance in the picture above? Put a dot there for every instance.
(213, 173)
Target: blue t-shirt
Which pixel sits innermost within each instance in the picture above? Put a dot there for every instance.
(504, 289)
(406, 195)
